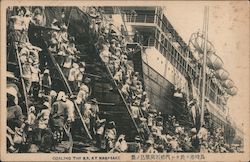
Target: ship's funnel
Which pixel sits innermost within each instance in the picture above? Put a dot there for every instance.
(232, 91)
(228, 83)
(221, 74)
(214, 62)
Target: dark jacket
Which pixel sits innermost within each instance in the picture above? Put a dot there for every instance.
(59, 113)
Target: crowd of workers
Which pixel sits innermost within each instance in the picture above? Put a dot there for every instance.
(51, 113)
(114, 53)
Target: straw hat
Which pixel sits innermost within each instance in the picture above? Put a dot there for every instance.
(150, 141)
(32, 109)
(30, 46)
(46, 104)
(28, 13)
(87, 106)
(136, 102)
(30, 61)
(10, 95)
(193, 130)
(87, 80)
(54, 27)
(113, 40)
(112, 123)
(24, 51)
(176, 125)
(122, 136)
(72, 97)
(11, 75)
(75, 65)
(114, 57)
(153, 110)
(64, 27)
(137, 138)
(83, 64)
(168, 137)
(94, 100)
(53, 93)
(54, 21)
(101, 121)
(81, 69)
(64, 38)
(46, 71)
(151, 115)
(143, 119)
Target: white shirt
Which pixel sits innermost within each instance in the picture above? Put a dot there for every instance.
(72, 74)
(84, 88)
(71, 109)
(45, 113)
(18, 22)
(26, 21)
(105, 56)
(135, 111)
(151, 150)
(68, 61)
(26, 71)
(100, 130)
(110, 134)
(62, 35)
(81, 96)
(118, 76)
(44, 120)
(31, 118)
(79, 76)
(174, 144)
(177, 94)
(150, 121)
(202, 134)
(121, 146)
(13, 91)
(35, 56)
(35, 74)
(125, 88)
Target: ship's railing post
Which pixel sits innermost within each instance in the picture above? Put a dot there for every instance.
(206, 16)
(145, 19)
(155, 15)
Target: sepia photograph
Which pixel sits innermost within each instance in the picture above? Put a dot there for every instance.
(125, 81)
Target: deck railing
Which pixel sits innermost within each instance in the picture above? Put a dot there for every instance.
(140, 18)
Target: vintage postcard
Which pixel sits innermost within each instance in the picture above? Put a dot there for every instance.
(125, 81)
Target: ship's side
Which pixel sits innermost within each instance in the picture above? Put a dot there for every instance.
(139, 80)
(165, 63)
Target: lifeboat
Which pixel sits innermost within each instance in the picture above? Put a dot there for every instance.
(228, 84)
(214, 62)
(221, 74)
(197, 41)
(232, 91)
(223, 101)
